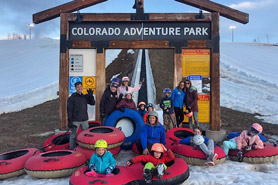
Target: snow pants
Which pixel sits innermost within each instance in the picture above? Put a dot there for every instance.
(84, 125)
(227, 145)
(169, 121)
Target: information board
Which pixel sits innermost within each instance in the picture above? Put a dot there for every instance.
(89, 82)
(204, 109)
(76, 63)
(196, 62)
(196, 81)
(72, 81)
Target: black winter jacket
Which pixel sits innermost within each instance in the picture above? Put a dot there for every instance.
(108, 101)
(77, 106)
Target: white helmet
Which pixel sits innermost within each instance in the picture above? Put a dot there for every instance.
(198, 139)
(125, 78)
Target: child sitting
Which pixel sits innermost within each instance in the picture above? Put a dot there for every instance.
(155, 162)
(102, 161)
(246, 141)
(167, 105)
(205, 144)
(142, 108)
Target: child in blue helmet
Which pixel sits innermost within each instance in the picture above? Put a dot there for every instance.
(167, 105)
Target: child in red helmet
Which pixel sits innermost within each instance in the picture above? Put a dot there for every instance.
(155, 161)
(247, 140)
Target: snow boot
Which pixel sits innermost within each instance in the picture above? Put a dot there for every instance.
(213, 157)
(148, 176)
(210, 163)
(160, 170)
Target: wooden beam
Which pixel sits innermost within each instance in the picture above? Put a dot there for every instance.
(224, 11)
(177, 69)
(215, 79)
(63, 77)
(64, 8)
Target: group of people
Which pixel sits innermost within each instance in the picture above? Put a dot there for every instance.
(153, 136)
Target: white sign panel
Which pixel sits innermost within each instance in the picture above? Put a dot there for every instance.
(76, 63)
(196, 81)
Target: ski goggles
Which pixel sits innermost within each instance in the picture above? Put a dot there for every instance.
(256, 132)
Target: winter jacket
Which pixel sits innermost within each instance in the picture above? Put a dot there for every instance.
(189, 141)
(149, 158)
(168, 103)
(244, 140)
(177, 97)
(141, 112)
(126, 103)
(102, 162)
(108, 101)
(122, 89)
(77, 106)
(152, 134)
(191, 98)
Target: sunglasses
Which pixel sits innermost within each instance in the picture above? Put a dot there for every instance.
(187, 83)
(254, 130)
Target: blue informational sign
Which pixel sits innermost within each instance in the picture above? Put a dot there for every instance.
(196, 81)
(72, 81)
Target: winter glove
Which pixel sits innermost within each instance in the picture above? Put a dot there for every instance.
(129, 162)
(93, 168)
(90, 92)
(70, 124)
(248, 148)
(122, 109)
(109, 170)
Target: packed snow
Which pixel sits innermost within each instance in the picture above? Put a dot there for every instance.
(29, 69)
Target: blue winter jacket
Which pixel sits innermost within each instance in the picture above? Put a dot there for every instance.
(102, 162)
(152, 134)
(177, 97)
(141, 112)
(187, 140)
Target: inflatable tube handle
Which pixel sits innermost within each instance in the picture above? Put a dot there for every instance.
(103, 181)
(51, 159)
(6, 163)
(89, 135)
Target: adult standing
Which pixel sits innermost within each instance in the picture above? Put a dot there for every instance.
(108, 102)
(77, 111)
(177, 97)
(124, 87)
(191, 102)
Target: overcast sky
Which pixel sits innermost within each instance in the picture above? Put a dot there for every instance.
(263, 17)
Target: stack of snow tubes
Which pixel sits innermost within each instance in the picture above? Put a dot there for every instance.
(87, 139)
(190, 154)
(12, 163)
(61, 141)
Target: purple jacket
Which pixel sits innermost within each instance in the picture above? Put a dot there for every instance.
(125, 103)
(191, 98)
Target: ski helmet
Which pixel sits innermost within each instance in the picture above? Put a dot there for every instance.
(149, 105)
(141, 103)
(125, 78)
(167, 90)
(188, 113)
(256, 128)
(157, 147)
(115, 80)
(113, 84)
(101, 144)
(198, 139)
(128, 92)
(153, 113)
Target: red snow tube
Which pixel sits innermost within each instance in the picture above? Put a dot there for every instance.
(91, 125)
(191, 156)
(12, 163)
(54, 164)
(176, 173)
(57, 142)
(113, 136)
(88, 153)
(268, 154)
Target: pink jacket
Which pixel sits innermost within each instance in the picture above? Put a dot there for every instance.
(242, 141)
(122, 89)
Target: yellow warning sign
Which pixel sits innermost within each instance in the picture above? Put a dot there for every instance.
(204, 109)
(89, 82)
(196, 62)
